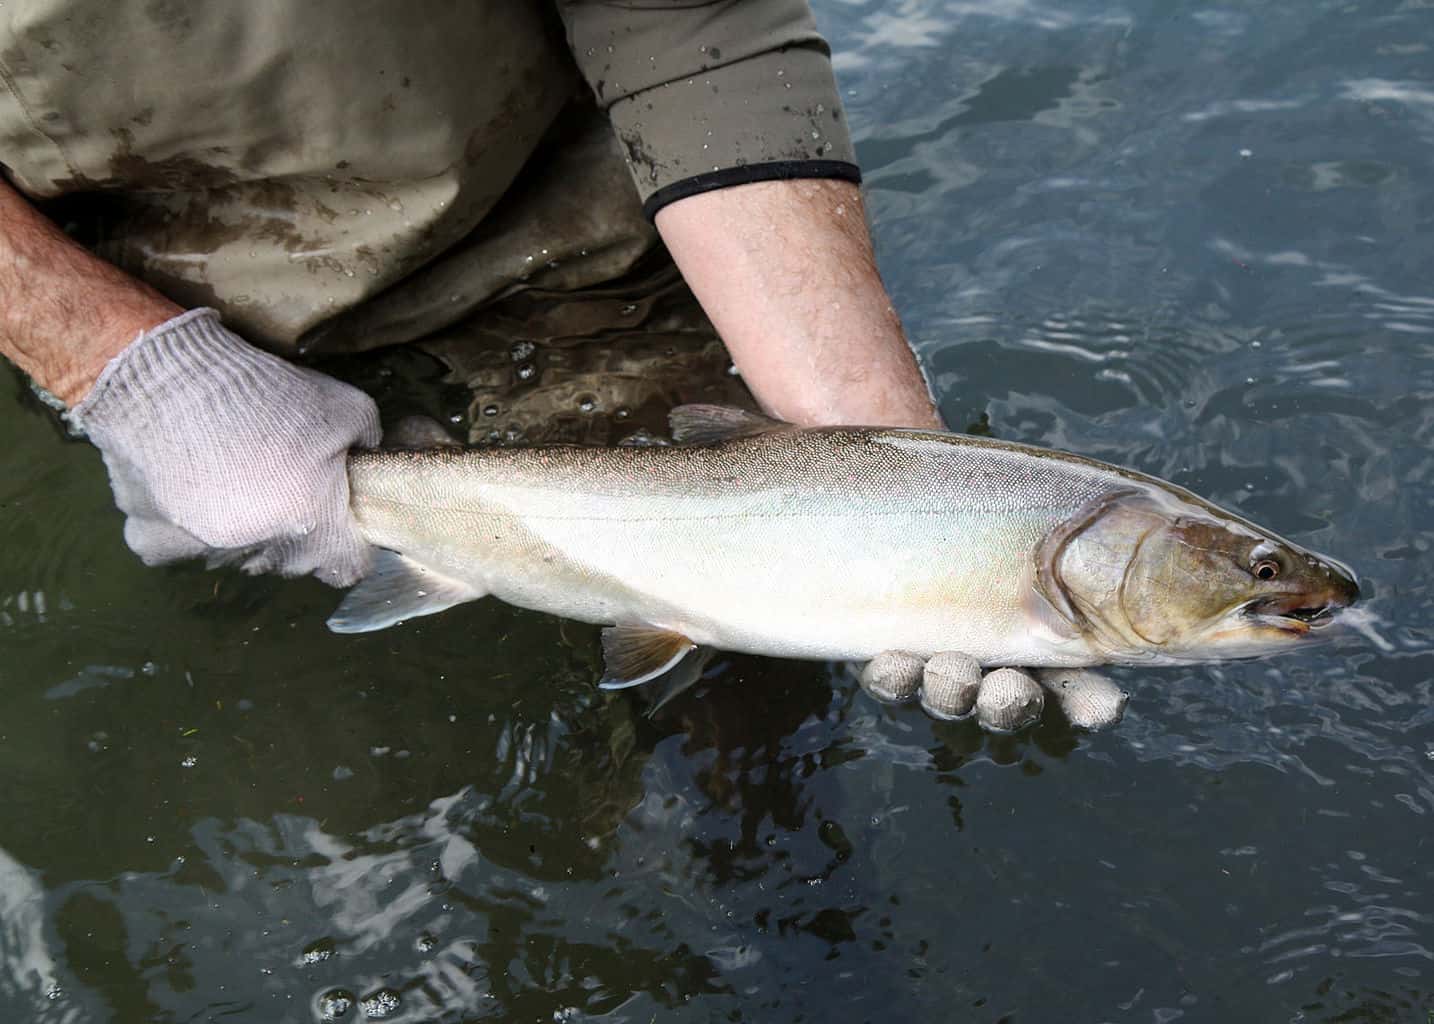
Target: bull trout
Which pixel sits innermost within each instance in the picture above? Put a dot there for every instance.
(834, 543)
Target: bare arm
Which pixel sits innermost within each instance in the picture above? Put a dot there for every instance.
(785, 270)
(214, 448)
(64, 313)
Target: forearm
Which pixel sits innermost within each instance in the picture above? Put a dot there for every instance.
(786, 272)
(64, 313)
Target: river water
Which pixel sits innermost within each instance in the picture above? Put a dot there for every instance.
(1192, 238)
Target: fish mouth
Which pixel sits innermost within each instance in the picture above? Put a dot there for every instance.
(1296, 614)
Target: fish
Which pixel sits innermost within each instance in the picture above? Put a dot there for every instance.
(834, 543)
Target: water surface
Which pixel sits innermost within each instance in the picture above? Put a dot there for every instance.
(1196, 239)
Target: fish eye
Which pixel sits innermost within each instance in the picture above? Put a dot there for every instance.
(1266, 569)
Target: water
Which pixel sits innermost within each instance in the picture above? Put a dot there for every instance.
(1189, 238)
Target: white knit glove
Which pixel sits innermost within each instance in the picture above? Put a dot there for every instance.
(218, 450)
(951, 685)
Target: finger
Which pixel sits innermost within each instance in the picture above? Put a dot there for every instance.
(1009, 700)
(892, 677)
(157, 541)
(949, 685)
(1088, 699)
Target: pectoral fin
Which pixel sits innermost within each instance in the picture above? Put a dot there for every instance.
(634, 654)
(395, 589)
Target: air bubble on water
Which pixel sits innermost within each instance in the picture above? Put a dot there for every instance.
(1247, 153)
(342, 772)
(457, 417)
(587, 405)
(622, 412)
(522, 350)
(317, 952)
(490, 410)
(383, 1003)
(54, 992)
(378, 751)
(335, 1004)
(526, 371)
(189, 761)
(1249, 380)
(426, 943)
(149, 668)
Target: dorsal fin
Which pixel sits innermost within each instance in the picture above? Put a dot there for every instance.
(708, 424)
(418, 432)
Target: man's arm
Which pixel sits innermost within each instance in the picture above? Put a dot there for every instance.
(740, 152)
(214, 448)
(786, 272)
(64, 313)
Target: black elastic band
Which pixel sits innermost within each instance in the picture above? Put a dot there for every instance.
(777, 170)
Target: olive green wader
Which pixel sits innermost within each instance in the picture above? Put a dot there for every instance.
(338, 176)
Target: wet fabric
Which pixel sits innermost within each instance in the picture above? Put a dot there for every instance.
(334, 176)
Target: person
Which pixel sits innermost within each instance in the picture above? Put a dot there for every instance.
(279, 180)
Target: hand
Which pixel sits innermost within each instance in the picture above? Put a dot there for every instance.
(216, 449)
(950, 686)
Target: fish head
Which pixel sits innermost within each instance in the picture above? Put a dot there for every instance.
(1153, 575)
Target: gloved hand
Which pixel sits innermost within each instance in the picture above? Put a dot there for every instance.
(950, 686)
(218, 450)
